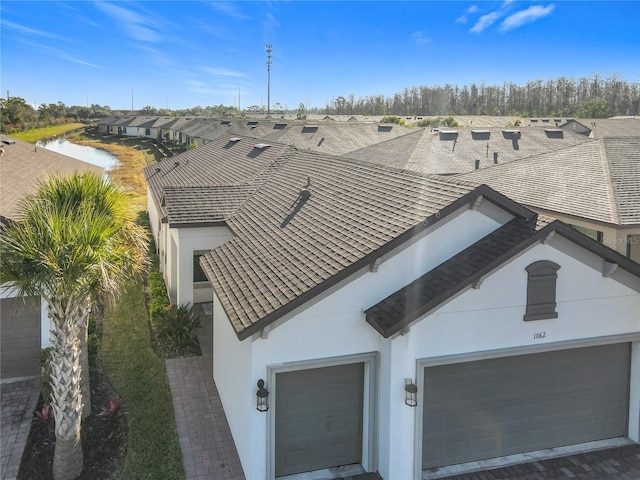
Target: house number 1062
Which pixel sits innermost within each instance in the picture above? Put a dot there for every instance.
(539, 335)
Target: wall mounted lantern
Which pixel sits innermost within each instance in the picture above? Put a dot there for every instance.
(262, 396)
(411, 393)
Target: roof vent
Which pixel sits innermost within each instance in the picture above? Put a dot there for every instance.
(511, 134)
(480, 134)
(554, 132)
(261, 146)
(279, 126)
(448, 135)
(309, 129)
(235, 139)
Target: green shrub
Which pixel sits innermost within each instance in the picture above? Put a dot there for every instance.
(45, 375)
(451, 122)
(178, 324)
(92, 348)
(158, 299)
(397, 120)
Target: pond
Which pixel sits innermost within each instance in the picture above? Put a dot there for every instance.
(92, 155)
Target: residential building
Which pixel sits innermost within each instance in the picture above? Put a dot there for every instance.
(368, 318)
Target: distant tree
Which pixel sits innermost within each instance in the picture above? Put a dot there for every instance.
(17, 113)
(302, 111)
(596, 108)
(149, 110)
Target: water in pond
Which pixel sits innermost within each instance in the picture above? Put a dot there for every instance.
(85, 153)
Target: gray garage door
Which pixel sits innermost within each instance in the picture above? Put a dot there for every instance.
(318, 418)
(19, 337)
(491, 408)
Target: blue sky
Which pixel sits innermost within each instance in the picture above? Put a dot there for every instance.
(182, 54)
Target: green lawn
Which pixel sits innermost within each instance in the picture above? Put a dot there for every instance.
(139, 377)
(36, 134)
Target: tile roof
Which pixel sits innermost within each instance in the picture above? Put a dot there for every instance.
(597, 180)
(288, 246)
(23, 164)
(203, 203)
(229, 168)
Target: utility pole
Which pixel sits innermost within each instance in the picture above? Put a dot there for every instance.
(239, 109)
(269, 51)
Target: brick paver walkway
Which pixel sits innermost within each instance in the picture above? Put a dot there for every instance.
(18, 402)
(208, 450)
(620, 463)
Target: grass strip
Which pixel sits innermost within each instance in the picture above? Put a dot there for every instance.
(139, 377)
(35, 134)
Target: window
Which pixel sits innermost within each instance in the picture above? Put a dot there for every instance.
(147, 131)
(198, 273)
(541, 290)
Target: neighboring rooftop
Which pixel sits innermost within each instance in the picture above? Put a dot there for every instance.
(23, 164)
(458, 150)
(597, 180)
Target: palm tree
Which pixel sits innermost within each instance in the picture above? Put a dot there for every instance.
(75, 244)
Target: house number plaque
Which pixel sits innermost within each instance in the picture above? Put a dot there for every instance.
(539, 335)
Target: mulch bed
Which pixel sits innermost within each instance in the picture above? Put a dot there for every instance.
(104, 439)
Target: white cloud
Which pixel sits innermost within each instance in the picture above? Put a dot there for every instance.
(228, 9)
(523, 17)
(223, 72)
(420, 38)
(485, 21)
(134, 24)
(465, 17)
(32, 32)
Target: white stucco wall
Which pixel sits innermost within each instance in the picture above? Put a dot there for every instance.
(478, 322)
(489, 322)
(236, 385)
(335, 326)
(186, 242)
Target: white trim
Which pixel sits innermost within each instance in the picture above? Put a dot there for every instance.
(421, 364)
(370, 407)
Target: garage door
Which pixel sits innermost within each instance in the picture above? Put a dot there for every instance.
(318, 418)
(491, 408)
(19, 337)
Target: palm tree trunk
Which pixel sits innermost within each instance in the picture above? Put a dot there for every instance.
(85, 386)
(66, 396)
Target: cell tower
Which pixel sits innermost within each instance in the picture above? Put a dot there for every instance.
(269, 51)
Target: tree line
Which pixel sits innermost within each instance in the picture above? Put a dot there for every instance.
(587, 97)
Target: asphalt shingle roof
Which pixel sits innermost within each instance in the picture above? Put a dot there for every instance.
(286, 247)
(23, 164)
(435, 152)
(597, 180)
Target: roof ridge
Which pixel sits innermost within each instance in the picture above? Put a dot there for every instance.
(604, 160)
